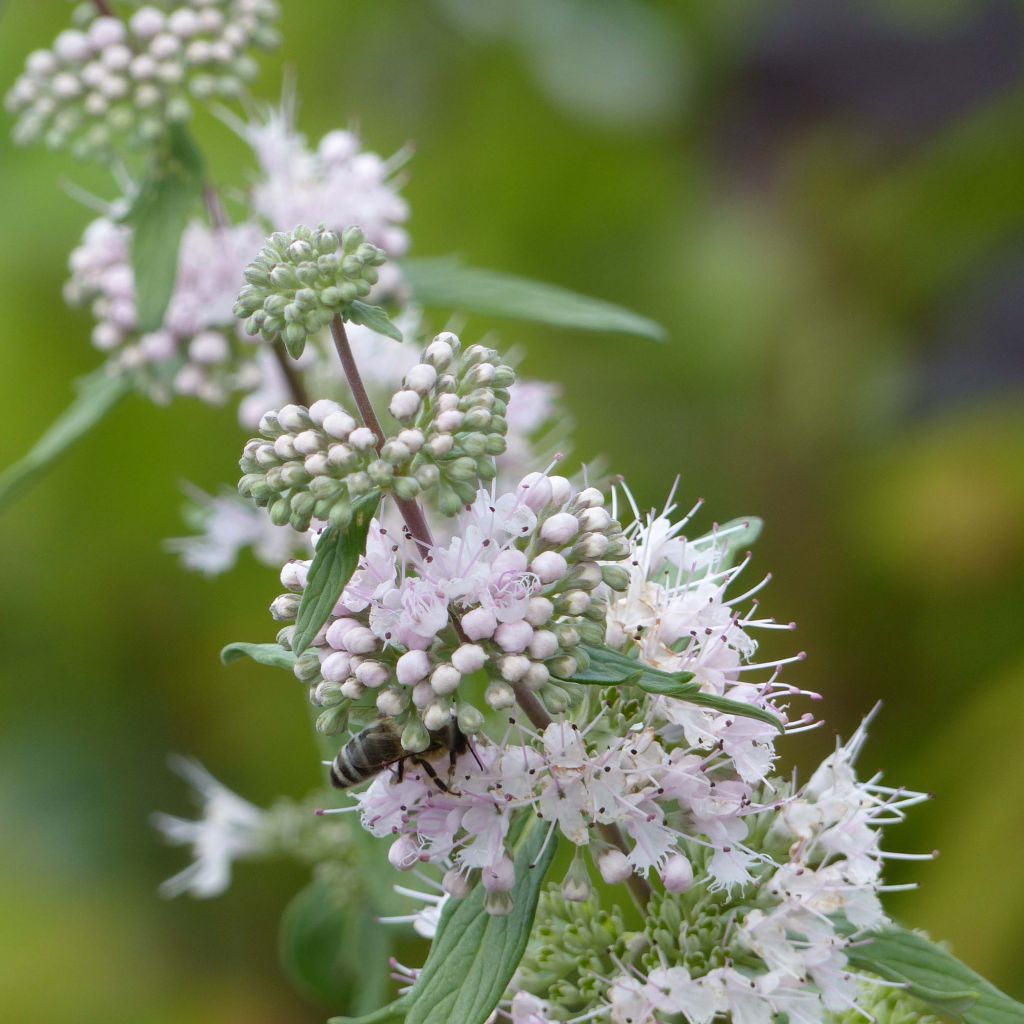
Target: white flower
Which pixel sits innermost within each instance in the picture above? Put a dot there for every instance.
(230, 829)
(227, 526)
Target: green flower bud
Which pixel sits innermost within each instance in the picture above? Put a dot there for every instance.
(469, 718)
(415, 737)
(615, 577)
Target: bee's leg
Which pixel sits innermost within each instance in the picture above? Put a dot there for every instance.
(476, 756)
(429, 769)
(400, 770)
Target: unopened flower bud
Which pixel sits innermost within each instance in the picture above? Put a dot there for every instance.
(537, 676)
(499, 695)
(307, 667)
(513, 637)
(404, 853)
(589, 497)
(677, 875)
(392, 702)
(543, 645)
(576, 887)
(479, 624)
(445, 679)
(595, 519)
(538, 611)
(360, 641)
(415, 737)
(456, 883)
(372, 674)
(352, 688)
(498, 904)
(412, 667)
(421, 378)
(422, 695)
(404, 405)
(437, 715)
(613, 866)
(615, 577)
(501, 877)
(336, 667)
(549, 566)
(513, 667)
(535, 490)
(469, 658)
(338, 424)
(285, 607)
(560, 528)
(338, 630)
(470, 719)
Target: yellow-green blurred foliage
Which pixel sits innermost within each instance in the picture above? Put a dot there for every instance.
(821, 202)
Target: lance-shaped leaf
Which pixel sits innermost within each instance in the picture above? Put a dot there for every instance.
(97, 395)
(933, 975)
(611, 668)
(474, 955)
(264, 654)
(166, 199)
(447, 284)
(373, 317)
(336, 557)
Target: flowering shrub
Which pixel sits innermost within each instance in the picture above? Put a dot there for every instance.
(524, 667)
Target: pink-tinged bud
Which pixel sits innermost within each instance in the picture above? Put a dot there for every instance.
(360, 641)
(404, 853)
(514, 637)
(561, 490)
(478, 624)
(336, 667)
(560, 528)
(535, 490)
(538, 611)
(457, 884)
(469, 658)
(590, 497)
(422, 695)
(549, 567)
(412, 667)
(445, 679)
(544, 645)
(501, 877)
(677, 875)
(338, 630)
(285, 607)
(372, 674)
(449, 421)
(321, 409)
(352, 689)
(614, 867)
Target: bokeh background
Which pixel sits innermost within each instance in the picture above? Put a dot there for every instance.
(822, 202)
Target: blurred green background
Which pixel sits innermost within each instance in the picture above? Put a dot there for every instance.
(821, 201)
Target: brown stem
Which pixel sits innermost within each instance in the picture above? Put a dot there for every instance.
(411, 511)
(295, 385)
(104, 8)
(417, 523)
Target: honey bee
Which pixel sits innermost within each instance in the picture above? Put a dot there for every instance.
(379, 746)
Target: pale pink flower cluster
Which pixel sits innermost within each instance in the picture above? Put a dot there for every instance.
(199, 338)
(790, 926)
(516, 576)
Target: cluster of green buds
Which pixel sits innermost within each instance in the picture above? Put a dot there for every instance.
(108, 80)
(300, 281)
(315, 463)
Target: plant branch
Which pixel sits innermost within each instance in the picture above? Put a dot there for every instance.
(104, 8)
(417, 523)
(411, 511)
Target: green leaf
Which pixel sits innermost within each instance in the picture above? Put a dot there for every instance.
(264, 654)
(332, 950)
(474, 955)
(97, 395)
(935, 976)
(611, 668)
(336, 557)
(373, 317)
(447, 283)
(158, 216)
